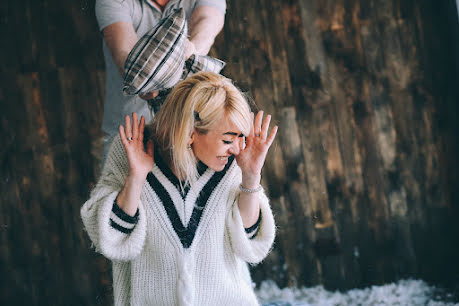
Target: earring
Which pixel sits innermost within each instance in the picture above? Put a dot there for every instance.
(189, 147)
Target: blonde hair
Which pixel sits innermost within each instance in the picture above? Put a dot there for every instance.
(198, 103)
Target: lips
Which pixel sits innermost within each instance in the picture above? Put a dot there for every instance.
(223, 159)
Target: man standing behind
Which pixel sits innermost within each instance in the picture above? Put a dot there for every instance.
(122, 23)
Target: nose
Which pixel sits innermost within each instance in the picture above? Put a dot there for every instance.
(234, 149)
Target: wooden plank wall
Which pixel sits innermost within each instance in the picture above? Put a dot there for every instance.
(363, 175)
(51, 96)
(358, 176)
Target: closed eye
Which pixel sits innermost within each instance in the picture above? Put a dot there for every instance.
(227, 142)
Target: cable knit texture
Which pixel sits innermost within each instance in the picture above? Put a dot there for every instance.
(153, 264)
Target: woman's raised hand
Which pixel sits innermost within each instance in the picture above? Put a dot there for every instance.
(140, 162)
(252, 157)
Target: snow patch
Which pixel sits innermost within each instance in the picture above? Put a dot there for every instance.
(404, 292)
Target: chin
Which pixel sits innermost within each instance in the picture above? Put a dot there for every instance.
(217, 168)
(216, 164)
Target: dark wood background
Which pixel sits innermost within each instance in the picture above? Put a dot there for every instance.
(363, 175)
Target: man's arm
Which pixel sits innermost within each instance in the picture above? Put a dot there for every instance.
(120, 38)
(205, 23)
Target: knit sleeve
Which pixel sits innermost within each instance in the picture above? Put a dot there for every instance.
(251, 248)
(114, 234)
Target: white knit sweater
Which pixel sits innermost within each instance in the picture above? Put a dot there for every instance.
(179, 250)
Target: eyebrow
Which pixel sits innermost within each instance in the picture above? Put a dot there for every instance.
(234, 134)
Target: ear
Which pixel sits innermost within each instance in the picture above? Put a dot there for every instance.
(192, 138)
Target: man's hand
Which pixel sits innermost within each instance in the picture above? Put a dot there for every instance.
(190, 49)
(149, 95)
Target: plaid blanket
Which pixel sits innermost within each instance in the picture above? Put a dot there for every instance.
(193, 64)
(157, 61)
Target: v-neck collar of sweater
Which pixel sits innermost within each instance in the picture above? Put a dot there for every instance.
(159, 161)
(185, 233)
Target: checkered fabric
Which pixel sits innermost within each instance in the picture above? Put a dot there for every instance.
(196, 63)
(193, 64)
(157, 59)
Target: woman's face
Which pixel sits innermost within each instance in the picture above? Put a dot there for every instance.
(214, 148)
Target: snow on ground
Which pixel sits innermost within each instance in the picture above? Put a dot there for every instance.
(403, 293)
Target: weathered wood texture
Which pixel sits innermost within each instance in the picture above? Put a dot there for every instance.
(52, 77)
(360, 177)
(363, 176)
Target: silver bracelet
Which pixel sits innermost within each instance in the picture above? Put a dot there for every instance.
(247, 190)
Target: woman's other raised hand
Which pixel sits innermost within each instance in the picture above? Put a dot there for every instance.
(140, 162)
(253, 154)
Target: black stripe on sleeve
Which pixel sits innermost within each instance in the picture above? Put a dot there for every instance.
(255, 226)
(120, 228)
(124, 216)
(255, 235)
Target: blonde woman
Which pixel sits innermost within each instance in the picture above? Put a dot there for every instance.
(180, 211)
